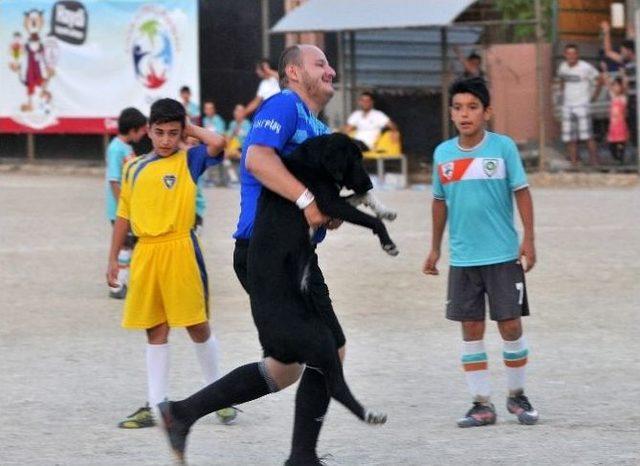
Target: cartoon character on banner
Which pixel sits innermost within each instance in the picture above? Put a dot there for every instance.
(33, 61)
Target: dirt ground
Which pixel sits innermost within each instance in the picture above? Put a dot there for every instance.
(68, 372)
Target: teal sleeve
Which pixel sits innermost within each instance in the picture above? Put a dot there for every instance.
(438, 191)
(516, 175)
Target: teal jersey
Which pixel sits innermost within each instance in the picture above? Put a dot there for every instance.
(118, 152)
(477, 185)
(214, 123)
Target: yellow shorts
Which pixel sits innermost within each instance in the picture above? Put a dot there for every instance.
(168, 283)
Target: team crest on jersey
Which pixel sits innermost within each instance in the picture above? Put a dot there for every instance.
(169, 181)
(490, 166)
(447, 170)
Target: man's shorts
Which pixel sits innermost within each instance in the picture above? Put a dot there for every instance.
(168, 283)
(502, 283)
(317, 287)
(576, 123)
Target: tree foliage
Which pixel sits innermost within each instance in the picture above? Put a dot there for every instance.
(525, 10)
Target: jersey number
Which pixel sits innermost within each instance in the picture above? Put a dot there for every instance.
(520, 288)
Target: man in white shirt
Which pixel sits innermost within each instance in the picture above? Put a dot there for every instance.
(577, 78)
(367, 123)
(268, 85)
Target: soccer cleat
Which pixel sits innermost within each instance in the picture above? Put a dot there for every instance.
(176, 431)
(227, 415)
(481, 414)
(521, 407)
(119, 292)
(374, 418)
(138, 420)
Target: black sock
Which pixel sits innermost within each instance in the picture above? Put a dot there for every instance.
(312, 401)
(243, 384)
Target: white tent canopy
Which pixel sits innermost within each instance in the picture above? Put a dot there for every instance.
(352, 15)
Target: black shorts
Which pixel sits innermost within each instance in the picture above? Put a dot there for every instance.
(502, 283)
(318, 288)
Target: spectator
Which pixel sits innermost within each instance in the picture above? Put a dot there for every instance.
(472, 64)
(211, 120)
(618, 133)
(192, 108)
(268, 85)
(626, 59)
(238, 128)
(367, 123)
(577, 78)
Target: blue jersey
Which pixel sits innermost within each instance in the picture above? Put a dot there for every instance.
(282, 122)
(118, 152)
(477, 186)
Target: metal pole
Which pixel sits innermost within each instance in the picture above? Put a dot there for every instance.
(266, 43)
(343, 77)
(31, 147)
(352, 70)
(637, 96)
(444, 57)
(542, 156)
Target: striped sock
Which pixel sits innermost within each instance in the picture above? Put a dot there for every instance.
(515, 360)
(476, 369)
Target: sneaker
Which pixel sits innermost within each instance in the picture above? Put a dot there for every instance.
(227, 415)
(310, 461)
(138, 420)
(521, 407)
(119, 292)
(176, 431)
(481, 414)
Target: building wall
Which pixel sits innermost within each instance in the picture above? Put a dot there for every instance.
(514, 90)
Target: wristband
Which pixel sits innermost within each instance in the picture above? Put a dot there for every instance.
(305, 199)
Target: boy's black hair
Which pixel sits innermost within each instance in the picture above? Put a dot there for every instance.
(185, 89)
(166, 111)
(474, 56)
(474, 86)
(368, 94)
(629, 44)
(130, 118)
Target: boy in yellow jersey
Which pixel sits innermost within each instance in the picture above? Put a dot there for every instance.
(168, 280)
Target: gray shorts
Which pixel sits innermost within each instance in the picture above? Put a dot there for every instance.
(502, 283)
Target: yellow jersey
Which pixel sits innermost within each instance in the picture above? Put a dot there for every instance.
(158, 194)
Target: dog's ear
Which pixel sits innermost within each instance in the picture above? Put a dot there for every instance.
(336, 156)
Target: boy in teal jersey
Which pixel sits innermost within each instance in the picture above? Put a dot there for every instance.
(475, 178)
(132, 126)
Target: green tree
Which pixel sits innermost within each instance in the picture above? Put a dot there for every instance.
(524, 10)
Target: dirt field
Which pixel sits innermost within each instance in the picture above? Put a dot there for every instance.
(68, 372)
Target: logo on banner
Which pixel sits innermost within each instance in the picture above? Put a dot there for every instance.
(447, 170)
(490, 166)
(152, 42)
(169, 181)
(69, 22)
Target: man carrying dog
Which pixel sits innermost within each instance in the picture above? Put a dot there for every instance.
(281, 124)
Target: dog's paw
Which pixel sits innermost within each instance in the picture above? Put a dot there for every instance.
(391, 249)
(375, 418)
(388, 215)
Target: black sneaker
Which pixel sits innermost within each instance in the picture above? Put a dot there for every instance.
(481, 414)
(176, 430)
(310, 461)
(521, 407)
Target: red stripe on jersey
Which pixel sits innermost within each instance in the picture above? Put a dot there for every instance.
(454, 170)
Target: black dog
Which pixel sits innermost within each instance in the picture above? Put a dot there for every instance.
(291, 327)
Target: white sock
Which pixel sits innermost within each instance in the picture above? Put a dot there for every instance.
(515, 355)
(207, 353)
(476, 369)
(157, 374)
